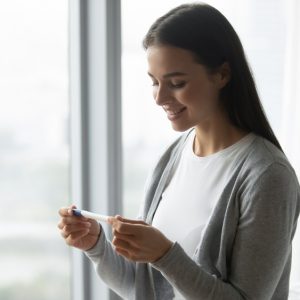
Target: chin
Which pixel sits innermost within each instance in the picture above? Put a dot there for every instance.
(181, 128)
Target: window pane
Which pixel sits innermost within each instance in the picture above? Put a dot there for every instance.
(34, 161)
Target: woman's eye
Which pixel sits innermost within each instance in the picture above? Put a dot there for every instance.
(178, 85)
(172, 85)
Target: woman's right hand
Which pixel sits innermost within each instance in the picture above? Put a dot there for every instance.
(79, 232)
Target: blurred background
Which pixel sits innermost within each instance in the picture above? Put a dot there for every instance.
(34, 160)
(35, 264)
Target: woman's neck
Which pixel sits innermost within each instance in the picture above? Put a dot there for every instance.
(215, 135)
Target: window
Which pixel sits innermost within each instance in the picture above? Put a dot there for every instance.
(34, 161)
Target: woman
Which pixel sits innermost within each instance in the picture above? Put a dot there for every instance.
(221, 207)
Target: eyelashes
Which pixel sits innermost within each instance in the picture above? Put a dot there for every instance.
(173, 86)
(179, 85)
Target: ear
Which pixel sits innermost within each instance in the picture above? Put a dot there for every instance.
(224, 75)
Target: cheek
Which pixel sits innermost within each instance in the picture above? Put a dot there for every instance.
(202, 96)
(194, 96)
(200, 102)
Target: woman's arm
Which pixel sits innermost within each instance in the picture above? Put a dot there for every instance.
(269, 208)
(89, 236)
(262, 246)
(117, 272)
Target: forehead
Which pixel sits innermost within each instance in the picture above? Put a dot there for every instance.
(167, 58)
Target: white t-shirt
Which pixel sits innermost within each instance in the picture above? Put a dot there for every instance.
(195, 187)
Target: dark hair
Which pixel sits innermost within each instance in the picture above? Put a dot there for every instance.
(203, 30)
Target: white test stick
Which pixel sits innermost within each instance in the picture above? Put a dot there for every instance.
(90, 215)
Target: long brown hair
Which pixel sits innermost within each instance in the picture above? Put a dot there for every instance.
(203, 30)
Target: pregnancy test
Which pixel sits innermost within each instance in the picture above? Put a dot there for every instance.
(90, 215)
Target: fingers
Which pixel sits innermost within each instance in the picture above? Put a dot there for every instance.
(66, 211)
(126, 226)
(72, 238)
(122, 244)
(130, 221)
(68, 217)
(128, 242)
(77, 221)
(72, 232)
(126, 254)
(74, 228)
(78, 231)
(112, 220)
(71, 224)
(128, 236)
(126, 249)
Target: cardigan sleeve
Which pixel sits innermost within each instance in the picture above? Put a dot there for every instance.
(261, 249)
(115, 270)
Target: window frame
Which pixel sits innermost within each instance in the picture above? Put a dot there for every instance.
(95, 125)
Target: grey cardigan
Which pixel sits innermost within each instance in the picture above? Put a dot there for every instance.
(246, 249)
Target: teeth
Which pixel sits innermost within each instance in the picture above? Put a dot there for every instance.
(175, 112)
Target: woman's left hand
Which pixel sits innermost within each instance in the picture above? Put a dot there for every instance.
(137, 240)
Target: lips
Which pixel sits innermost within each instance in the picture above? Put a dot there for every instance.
(174, 114)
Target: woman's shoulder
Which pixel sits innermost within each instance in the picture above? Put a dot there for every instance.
(266, 158)
(264, 152)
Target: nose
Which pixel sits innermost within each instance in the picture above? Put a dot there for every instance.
(161, 95)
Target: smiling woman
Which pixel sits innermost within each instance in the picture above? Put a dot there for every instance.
(221, 207)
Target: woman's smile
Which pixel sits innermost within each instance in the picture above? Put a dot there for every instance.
(174, 114)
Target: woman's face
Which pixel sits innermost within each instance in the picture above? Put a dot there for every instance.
(183, 88)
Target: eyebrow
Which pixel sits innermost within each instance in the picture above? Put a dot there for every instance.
(172, 74)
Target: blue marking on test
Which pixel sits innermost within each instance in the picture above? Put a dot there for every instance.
(77, 212)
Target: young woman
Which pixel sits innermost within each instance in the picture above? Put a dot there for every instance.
(221, 207)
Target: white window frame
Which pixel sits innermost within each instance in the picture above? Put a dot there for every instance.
(95, 126)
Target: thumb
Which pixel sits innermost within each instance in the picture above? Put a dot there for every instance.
(131, 221)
